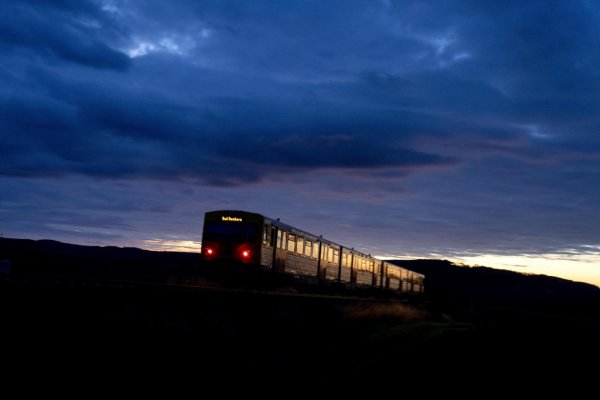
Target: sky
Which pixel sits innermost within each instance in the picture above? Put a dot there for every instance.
(463, 130)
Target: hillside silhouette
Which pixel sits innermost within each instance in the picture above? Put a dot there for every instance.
(53, 258)
(489, 285)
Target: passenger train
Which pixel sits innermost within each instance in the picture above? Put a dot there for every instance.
(250, 238)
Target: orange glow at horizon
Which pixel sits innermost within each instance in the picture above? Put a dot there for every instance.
(186, 246)
(581, 267)
(576, 267)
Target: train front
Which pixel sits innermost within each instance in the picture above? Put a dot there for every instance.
(232, 236)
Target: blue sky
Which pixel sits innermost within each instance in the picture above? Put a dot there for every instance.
(465, 130)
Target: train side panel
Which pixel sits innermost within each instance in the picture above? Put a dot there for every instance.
(266, 256)
(296, 264)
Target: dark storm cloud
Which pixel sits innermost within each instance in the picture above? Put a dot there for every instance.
(87, 127)
(75, 31)
(208, 89)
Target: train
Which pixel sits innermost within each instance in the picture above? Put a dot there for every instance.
(242, 237)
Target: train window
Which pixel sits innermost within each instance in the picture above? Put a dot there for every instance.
(308, 248)
(227, 229)
(230, 233)
(323, 251)
(266, 234)
(344, 259)
(300, 246)
(291, 243)
(281, 239)
(315, 251)
(330, 254)
(336, 256)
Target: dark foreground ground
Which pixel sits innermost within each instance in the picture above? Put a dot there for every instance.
(202, 337)
(64, 332)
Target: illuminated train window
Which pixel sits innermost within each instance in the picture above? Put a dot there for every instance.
(308, 248)
(291, 243)
(281, 239)
(300, 246)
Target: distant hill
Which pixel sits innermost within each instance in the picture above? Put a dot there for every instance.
(52, 257)
(488, 285)
(13, 247)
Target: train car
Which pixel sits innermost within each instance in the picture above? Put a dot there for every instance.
(232, 236)
(250, 238)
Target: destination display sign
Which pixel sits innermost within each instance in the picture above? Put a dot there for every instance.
(231, 219)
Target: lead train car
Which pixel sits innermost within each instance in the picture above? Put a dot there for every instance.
(252, 238)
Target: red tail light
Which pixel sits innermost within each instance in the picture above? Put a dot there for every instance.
(210, 251)
(245, 253)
